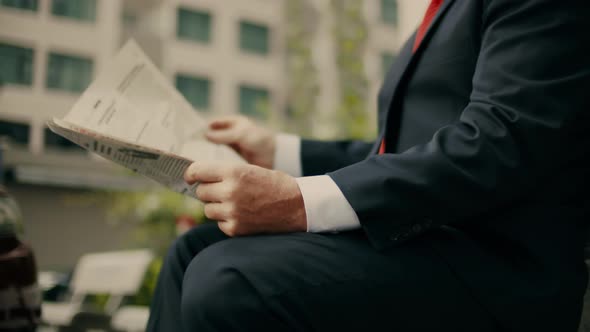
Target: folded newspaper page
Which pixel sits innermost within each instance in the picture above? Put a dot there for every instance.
(134, 117)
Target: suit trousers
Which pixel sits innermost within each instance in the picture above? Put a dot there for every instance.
(308, 282)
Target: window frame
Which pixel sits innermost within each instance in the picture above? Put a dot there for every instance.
(88, 20)
(392, 21)
(18, 122)
(197, 12)
(196, 77)
(246, 23)
(34, 10)
(258, 113)
(30, 80)
(67, 54)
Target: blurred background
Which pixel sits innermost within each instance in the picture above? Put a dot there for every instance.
(311, 67)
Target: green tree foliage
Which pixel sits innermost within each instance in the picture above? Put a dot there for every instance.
(302, 83)
(349, 33)
(350, 37)
(153, 214)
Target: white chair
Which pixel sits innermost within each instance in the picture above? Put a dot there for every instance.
(130, 319)
(118, 274)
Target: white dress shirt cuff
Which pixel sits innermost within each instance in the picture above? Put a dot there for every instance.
(288, 154)
(325, 205)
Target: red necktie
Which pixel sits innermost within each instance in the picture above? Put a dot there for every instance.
(428, 17)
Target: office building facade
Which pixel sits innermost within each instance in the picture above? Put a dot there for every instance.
(224, 56)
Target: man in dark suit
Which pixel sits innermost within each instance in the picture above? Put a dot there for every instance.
(467, 214)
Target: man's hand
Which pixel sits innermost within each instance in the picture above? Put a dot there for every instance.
(247, 199)
(254, 143)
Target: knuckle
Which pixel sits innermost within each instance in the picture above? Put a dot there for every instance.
(224, 194)
(200, 192)
(230, 229)
(208, 210)
(231, 191)
(233, 213)
(237, 230)
(190, 171)
(236, 171)
(243, 174)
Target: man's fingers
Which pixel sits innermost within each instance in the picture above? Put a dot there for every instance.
(229, 228)
(204, 172)
(226, 130)
(216, 211)
(220, 124)
(211, 192)
(223, 136)
(224, 122)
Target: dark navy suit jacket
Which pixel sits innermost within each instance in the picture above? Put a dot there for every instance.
(487, 126)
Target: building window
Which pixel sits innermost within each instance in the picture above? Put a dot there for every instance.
(69, 73)
(128, 19)
(389, 12)
(387, 60)
(83, 10)
(193, 25)
(15, 132)
(254, 101)
(16, 65)
(254, 38)
(21, 4)
(54, 141)
(195, 89)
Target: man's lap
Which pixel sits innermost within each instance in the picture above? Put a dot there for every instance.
(323, 281)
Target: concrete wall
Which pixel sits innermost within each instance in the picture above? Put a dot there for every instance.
(61, 228)
(45, 33)
(220, 60)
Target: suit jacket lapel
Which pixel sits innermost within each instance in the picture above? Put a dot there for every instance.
(402, 71)
(390, 86)
(435, 23)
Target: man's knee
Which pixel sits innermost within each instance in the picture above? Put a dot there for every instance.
(186, 246)
(215, 292)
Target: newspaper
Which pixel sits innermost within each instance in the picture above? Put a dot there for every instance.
(134, 117)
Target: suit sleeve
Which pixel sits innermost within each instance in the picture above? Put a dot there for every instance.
(527, 112)
(318, 158)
